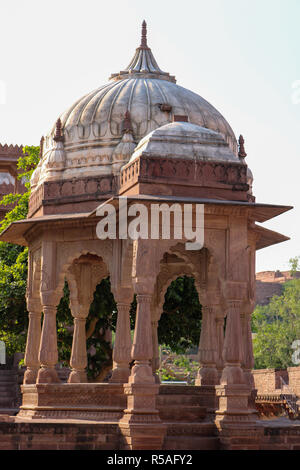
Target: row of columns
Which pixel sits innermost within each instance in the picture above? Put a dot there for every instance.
(41, 351)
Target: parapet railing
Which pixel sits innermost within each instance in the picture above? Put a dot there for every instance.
(290, 399)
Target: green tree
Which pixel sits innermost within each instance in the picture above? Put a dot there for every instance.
(294, 265)
(180, 323)
(13, 262)
(276, 326)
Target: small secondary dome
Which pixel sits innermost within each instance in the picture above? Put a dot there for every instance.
(185, 140)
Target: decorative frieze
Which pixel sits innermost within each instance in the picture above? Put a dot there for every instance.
(71, 191)
(198, 173)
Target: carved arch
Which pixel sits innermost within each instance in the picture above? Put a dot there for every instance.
(71, 251)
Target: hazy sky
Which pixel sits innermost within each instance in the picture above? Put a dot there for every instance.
(240, 55)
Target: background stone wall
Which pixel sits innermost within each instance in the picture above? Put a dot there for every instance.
(269, 283)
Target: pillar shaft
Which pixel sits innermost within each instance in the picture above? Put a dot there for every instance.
(232, 351)
(142, 348)
(48, 355)
(220, 343)
(31, 358)
(122, 346)
(208, 374)
(141, 389)
(248, 358)
(155, 355)
(233, 391)
(78, 360)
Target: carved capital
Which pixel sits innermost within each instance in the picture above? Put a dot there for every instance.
(49, 298)
(144, 298)
(34, 305)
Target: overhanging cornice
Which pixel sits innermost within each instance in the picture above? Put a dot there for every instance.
(16, 231)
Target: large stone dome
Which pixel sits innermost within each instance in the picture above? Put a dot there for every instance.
(92, 129)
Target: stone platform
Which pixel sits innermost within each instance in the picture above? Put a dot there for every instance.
(70, 434)
(88, 401)
(107, 401)
(88, 416)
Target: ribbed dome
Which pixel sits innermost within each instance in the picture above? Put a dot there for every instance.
(93, 126)
(100, 114)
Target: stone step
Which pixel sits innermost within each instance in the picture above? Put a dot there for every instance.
(7, 392)
(9, 411)
(4, 385)
(6, 402)
(191, 443)
(182, 413)
(7, 373)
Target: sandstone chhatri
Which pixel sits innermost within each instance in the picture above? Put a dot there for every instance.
(147, 139)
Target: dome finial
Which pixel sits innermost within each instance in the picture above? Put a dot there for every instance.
(144, 35)
(143, 63)
(242, 153)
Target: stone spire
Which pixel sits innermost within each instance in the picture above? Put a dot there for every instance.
(143, 63)
(58, 132)
(144, 36)
(126, 146)
(41, 146)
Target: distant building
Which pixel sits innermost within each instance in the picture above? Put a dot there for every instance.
(269, 283)
(9, 183)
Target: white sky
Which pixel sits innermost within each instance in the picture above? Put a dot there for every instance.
(240, 55)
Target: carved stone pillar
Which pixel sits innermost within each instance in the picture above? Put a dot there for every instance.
(48, 355)
(141, 426)
(233, 391)
(142, 348)
(208, 374)
(31, 358)
(220, 344)
(78, 360)
(155, 354)
(122, 346)
(81, 276)
(248, 358)
(232, 352)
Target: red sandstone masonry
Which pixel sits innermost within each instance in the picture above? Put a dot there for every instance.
(268, 380)
(294, 379)
(53, 436)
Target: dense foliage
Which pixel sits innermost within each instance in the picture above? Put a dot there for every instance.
(180, 324)
(13, 262)
(276, 326)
